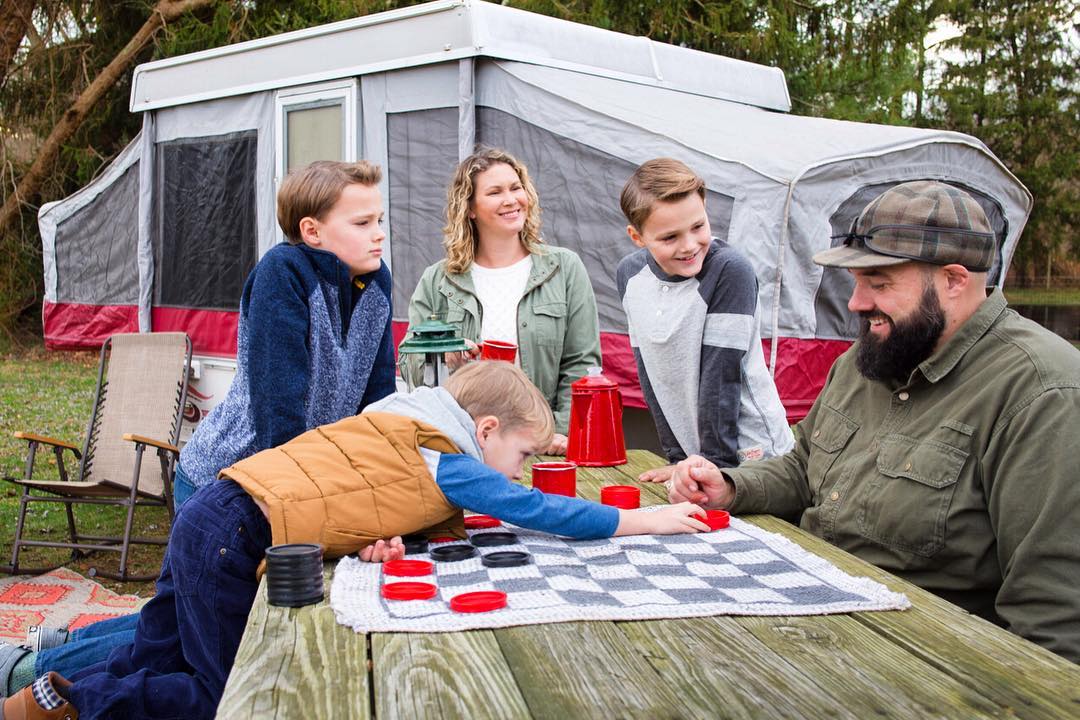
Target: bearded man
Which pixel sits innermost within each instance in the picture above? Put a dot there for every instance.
(943, 447)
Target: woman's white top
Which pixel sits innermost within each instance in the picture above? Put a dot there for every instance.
(499, 291)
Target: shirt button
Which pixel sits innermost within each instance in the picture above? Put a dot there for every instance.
(903, 396)
(450, 294)
(222, 551)
(817, 433)
(524, 324)
(908, 466)
(665, 288)
(459, 301)
(834, 496)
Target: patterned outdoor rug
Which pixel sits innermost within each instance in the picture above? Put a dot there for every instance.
(61, 598)
(741, 570)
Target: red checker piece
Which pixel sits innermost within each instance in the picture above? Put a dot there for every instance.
(715, 519)
(407, 568)
(409, 591)
(445, 539)
(626, 497)
(476, 522)
(474, 602)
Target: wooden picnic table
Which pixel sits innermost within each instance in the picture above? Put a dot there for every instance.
(932, 660)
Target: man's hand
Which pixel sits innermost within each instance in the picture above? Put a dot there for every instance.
(699, 481)
(657, 475)
(557, 446)
(384, 550)
(454, 360)
(670, 520)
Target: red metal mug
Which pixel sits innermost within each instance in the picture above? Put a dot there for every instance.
(555, 478)
(595, 438)
(498, 350)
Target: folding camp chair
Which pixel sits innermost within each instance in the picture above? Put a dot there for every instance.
(141, 390)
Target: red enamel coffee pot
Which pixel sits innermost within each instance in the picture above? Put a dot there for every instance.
(596, 431)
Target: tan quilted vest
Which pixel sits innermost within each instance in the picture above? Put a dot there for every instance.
(347, 484)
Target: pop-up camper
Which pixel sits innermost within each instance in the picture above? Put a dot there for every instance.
(165, 237)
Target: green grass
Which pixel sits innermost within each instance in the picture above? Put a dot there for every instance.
(51, 394)
(1043, 296)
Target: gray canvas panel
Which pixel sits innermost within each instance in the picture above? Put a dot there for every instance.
(830, 305)
(205, 231)
(97, 246)
(579, 190)
(423, 152)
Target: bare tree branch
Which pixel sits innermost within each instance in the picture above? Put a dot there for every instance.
(14, 22)
(164, 12)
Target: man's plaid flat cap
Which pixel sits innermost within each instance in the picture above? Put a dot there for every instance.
(925, 221)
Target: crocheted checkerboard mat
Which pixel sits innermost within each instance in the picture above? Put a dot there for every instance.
(60, 598)
(740, 570)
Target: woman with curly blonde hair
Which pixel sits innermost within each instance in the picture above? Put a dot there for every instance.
(501, 281)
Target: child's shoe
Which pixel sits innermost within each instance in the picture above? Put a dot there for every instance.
(44, 699)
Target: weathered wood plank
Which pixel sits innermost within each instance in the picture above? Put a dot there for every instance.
(1003, 667)
(587, 670)
(443, 675)
(297, 663)
(722, 671)
(865, 672)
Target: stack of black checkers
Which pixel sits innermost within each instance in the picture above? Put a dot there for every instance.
(294, 575)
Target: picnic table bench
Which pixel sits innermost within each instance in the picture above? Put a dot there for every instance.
(932, 660)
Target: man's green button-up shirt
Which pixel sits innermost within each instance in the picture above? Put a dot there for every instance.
(965, 480)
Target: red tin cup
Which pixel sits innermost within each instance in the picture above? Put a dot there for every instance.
(626, 497)
(498, 350)
(555, 478)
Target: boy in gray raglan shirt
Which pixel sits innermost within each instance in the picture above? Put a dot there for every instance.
(691, 307)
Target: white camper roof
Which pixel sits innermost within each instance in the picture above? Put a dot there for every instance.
(449, 30)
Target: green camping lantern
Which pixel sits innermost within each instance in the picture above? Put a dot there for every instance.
(430, 340)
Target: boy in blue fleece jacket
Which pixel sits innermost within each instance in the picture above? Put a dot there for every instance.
(184, 649)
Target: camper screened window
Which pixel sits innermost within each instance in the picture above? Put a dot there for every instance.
(205, 231)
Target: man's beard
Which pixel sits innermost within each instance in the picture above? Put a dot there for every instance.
(907, 344)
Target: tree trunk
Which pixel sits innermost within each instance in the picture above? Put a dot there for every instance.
(163, 13)
(14, 20)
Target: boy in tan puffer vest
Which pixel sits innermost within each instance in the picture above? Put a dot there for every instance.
(407, 463)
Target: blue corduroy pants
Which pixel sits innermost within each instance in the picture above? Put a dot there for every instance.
(188, 634)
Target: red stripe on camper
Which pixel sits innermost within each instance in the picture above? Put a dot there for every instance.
(75, 326)
(801, 368)
(212, 332)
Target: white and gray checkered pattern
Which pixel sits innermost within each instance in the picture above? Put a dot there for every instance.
(742, 570)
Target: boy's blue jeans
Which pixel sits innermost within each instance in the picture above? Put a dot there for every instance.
(91, 644)
(188, 634)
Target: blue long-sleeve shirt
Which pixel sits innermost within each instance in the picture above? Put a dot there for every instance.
(470, 484)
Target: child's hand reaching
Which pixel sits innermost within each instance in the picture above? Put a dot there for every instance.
(670, 520)
(384, 550)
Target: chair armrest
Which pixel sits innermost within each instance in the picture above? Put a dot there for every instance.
(33, 437)
(150, 441)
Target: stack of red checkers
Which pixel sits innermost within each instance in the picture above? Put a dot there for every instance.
(715, 519)
(626, 497)
(409, 591)
(407, 568)
(476, 522)
(474, 602)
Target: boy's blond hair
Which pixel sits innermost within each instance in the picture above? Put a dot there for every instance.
(459, 235)
(499, 388)
(311, 190)
(657, 180)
